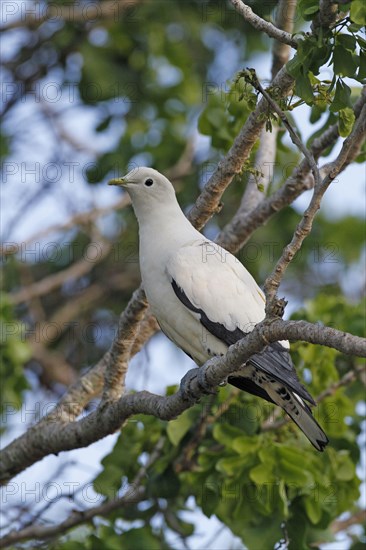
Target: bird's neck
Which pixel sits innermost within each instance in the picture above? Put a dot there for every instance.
(164, 229)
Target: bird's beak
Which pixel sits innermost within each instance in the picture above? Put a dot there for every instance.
(118, 181)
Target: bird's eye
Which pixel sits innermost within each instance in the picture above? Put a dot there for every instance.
(149, 182)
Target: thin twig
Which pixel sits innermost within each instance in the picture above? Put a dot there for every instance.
(304, 227)
(343, 524)
(238, 231)
(133, 495)
(294, 137)
(262, 25)
(83, 218)
(93, 255)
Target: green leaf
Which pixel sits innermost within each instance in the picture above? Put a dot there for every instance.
(139, 538)
(104, 124)
(311, 10)
(353, 27)
(245, 445)
(262, 474)
(316, 112)
(209, 499)
(230, 466)
(362, 69)
(308, 8)
(342, 97)
(344, 62)
(345, 469)
(184, 528)
(294, 66)
(108, 481)
(348, 41)
(263, 531)
(165, 485)
(358, 12)
(361, 42)
(346, 121)
(226, 434)
(178, 428)
(303, 87)
(291, 471)
(313, 509)
(294, 474)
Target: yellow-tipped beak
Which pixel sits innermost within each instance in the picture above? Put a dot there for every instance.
(117, 181)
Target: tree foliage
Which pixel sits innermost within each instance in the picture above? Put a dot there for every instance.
(166, 84)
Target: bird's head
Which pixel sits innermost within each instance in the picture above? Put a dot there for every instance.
(146, 187)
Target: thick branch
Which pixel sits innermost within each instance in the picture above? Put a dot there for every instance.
(120, 351)
(326, 17)
(285, 17)
(263, 25)
(53, 437)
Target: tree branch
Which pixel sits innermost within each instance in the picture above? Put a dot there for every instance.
(326, 17)
(263, 25)
(209, 200)
(257, 186)
(238, 231)
(134, 494)
(109, 9)
(285, 17)
(94, 254)
(339, 525)
(120, 352)
(293, 135)
(91, 383)
(50, 437)
(304, 227)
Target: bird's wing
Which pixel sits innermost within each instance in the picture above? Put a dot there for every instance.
(209, 279)
(212, 283)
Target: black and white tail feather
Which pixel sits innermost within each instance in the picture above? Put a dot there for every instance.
(261, 384)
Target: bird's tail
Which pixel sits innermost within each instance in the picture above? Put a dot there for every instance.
(299, 412)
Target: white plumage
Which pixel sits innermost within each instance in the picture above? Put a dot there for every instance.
(204, 299)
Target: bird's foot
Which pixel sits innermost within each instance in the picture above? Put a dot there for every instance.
(194, 384)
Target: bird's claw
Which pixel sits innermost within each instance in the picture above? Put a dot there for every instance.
(194, 384)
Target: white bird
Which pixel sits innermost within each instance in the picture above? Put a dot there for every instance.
(205, 300)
